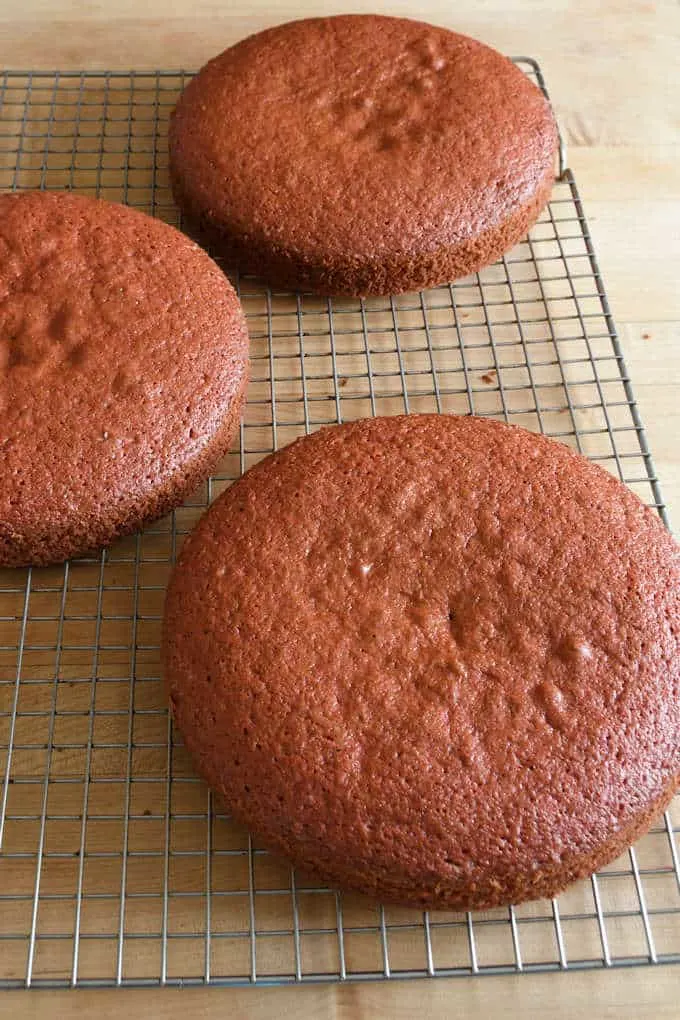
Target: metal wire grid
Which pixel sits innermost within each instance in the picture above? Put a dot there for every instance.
(116, 867)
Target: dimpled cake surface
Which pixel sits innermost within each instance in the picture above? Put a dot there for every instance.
(124, 365)
(361, 154)
(433, 659)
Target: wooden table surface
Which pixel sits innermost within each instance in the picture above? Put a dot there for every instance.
(614, 76)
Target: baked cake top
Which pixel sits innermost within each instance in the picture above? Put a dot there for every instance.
(362, 134)
(431, 657)
(123, 347)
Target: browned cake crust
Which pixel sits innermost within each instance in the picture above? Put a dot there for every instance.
(433, 659)
(124, 364)
(362, 154)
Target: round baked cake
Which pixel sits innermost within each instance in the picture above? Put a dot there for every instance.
(362, 154)
(124, 363)
(433, 659)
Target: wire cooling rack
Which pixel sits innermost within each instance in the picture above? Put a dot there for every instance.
(116, 867)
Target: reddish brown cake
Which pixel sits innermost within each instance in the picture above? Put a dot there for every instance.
(432, 659)
(124, 363)
(362, 154)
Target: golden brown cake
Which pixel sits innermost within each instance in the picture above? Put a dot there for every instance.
(362, 154)
(124, 364)
(432, 659)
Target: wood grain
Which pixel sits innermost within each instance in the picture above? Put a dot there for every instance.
(619, 995)
(615, 79)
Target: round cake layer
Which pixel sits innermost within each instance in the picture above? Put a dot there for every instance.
(433, 659)
(124, 366)
(361, 154)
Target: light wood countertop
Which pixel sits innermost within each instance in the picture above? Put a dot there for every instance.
(614, 77)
